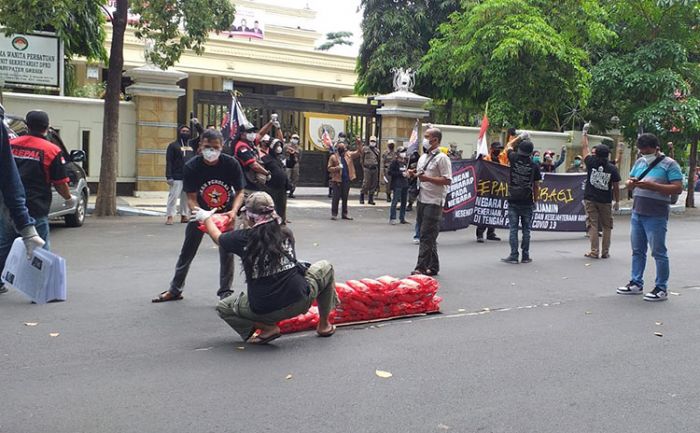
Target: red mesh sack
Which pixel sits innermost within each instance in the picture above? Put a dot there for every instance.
(221, 221)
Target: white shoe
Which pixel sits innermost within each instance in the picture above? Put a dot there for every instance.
(416, 241)
(394, 222)
(630, 289)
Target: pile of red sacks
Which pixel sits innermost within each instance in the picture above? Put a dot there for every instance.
(369, 299)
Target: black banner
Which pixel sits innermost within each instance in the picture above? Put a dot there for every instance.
(479, 196)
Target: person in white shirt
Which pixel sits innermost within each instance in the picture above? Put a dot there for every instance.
(434, 174)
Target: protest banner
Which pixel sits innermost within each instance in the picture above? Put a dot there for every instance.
(479, 196)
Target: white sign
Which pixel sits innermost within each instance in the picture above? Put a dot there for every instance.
(32, 60)
(248, 23)
(318, 123)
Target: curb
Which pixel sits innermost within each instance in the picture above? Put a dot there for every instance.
(129, 211)
(676, 209)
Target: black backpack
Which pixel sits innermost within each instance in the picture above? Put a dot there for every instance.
(522, 192)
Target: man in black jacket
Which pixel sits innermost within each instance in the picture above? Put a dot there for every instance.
(179, 152)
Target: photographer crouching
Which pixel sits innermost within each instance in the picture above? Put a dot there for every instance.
(278, 286)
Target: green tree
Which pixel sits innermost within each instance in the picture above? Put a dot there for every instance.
(335, 38)
(527, 59)
(396, 34)
(174, 26)
(650, 78)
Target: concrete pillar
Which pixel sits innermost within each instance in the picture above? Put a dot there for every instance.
(399, 113)
(155, 93)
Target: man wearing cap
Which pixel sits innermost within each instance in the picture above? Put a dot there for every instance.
(41, 165)
(370, 170)
(176, 156)
(453, 153)
(387, 158)
(248, 156)
(292, 151)
(602, 186)
(576, 165)
(523, 188)
(14, 216)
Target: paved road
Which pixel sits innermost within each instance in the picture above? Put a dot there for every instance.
(556, 351)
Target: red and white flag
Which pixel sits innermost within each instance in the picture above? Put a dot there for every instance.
(326, 139)
(482, 147)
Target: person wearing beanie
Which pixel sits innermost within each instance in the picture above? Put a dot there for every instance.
(523, 189)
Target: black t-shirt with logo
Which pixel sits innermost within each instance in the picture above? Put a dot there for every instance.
(272, 289)
(523, 175)
(215, 185)
(599, 182)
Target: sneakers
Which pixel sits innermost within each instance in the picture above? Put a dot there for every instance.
(416, 241)
(511, 259)
(656, 295)
(526, 259)
(630, 289)
(480, 240)
(225, 294)
(493, 238)
(394, 222)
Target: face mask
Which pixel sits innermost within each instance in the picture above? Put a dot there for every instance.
(211, 155)
(577, 162)
(426, 143)
(649, 158)
(185, 135)
(372, 144)
(536, 159)
(341, 151)
(402, 155)
(251, 136)
(278, 150)
(295, 141)
(495, 154)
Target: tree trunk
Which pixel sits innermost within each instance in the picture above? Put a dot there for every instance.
(107, 191)
(692, 166)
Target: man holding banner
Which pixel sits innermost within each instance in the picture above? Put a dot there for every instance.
(523, 189)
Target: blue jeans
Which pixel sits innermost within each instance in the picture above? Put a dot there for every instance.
(646, 230)
(399, 194)
(8, 234)
(416, 235)
(519, 215)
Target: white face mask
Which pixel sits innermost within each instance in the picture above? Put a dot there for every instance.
(426, 143)
(649, 158)
(278, 150)
(211, 155)
(372, 144)
(295, 141)
(251, 136)
(402, 155)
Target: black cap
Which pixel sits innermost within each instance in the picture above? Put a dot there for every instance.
(37, 120)
(602, 151)
(525, 148)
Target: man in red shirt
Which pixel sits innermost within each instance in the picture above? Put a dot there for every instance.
(41, 164)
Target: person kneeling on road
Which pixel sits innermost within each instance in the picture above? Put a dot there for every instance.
(278, 286)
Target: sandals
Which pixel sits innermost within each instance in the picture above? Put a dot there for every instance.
(327, 334)
(167, 296)
(262, 341)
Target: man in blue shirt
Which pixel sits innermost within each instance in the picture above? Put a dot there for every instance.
(653, 180)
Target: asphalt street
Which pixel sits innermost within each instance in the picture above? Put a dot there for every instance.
(543, 347)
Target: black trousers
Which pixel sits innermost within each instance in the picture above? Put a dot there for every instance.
(193, 238)
(490, 231)
(341, 190)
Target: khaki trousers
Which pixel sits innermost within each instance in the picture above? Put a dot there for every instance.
(599, 216)
(235, 310)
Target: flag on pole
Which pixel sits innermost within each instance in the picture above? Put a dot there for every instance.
(326, 139)
(482, 147)
(413, 141)
(233, 120)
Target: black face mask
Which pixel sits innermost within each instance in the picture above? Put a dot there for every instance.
(185, 136)
(495, 153)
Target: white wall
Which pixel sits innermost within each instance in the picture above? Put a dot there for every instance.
(72, 116)
(466, 138)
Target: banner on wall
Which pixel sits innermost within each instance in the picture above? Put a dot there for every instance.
(249, 23)
(478, 195)
(320, 127)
